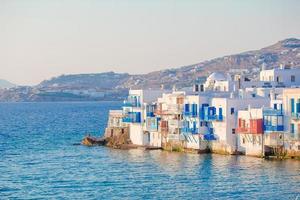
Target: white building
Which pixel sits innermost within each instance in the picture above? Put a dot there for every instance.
(285, 76)
(134, 109)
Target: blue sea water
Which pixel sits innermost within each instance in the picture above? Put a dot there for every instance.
(38, 161)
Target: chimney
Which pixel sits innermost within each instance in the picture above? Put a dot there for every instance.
(281, 66)
(272, 94)
(263, 66)
(174, 88)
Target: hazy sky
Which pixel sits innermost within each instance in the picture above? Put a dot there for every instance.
(40, 39)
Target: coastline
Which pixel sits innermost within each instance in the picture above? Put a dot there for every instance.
(91, 141)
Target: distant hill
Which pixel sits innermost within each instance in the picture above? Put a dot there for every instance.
(6, 84)
(285, 51)
(114, 86)
(108, 80)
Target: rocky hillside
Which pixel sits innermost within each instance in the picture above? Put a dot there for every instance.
(285, 51)
(114, 86)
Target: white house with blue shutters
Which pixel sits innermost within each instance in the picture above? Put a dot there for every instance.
(211, 117)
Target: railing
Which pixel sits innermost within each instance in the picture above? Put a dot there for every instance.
(150, 114)
(190, 114)
(175, 123)
(295, 116)
(272, 112)
(242, 130)
(213, 118)
(273, 128)
(190, 130)
(131, 104)
(132, 117)
(175, 108)
(175, 137)
(127, 120)
(209, 137)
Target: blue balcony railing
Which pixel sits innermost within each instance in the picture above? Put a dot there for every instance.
(131, 104)
(150, 114)
(190, 114)
(132, 117)
(210, 135)
(270, 128)
(190, 130)
(213, 118)
(272, 112)
(127, 120)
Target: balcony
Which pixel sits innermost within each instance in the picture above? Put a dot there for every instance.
(295, 116)
(213, 117)
(174, 123)
(128, 120)
(176, 137)
(190, 130)
(132, 117)
(272, 112)
(190, 114)
(150, 114)
(210, 135)
(270, 128)
(242, 130)
(174, 109)
(131, 104)
(152, 124)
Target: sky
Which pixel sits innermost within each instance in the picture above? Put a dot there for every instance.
(40, 39)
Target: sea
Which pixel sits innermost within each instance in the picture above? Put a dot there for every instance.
(39, 159)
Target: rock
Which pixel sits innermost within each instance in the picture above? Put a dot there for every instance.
(93, 141)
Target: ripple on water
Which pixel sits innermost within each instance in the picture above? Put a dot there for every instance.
(38, 161)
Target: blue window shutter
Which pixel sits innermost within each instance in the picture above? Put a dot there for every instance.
(293, 105)
(214, 110)
(292, 128)
(297, 107)
(194, 108)
(220, 113)
(186, 107)
(138, 117)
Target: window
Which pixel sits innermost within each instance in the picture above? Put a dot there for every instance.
(244, 141)
(275, 106)
(233, 131)
(293, 78)
(232, 111)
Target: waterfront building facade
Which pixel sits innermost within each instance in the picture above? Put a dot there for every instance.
(227, 114)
